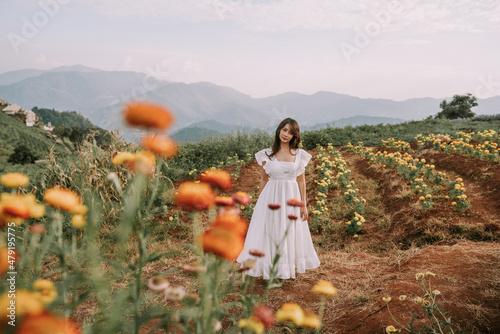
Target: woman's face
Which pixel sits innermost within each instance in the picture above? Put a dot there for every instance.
(285, 134)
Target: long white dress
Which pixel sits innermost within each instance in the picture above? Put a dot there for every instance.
(271, 228)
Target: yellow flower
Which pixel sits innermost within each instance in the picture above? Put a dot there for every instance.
(421, 198)
(436, 292)
(123, 157)
(454, 203)
(386, 299)
(391, 329)
(430, 274)
(14, 180)
(428, 196)
(26, 303)
(311, 320)
(324, 287)
(402, 298)
(45, 290)
(252, 323)
(79, 221)
(419, 276)
(290, 312)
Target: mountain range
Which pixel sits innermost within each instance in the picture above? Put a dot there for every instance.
(100, 96)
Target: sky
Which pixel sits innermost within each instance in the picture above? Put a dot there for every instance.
(371, 49)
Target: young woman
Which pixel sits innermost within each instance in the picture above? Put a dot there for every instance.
(282, 230)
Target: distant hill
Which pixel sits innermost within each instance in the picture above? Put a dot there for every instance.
(14, 133)
(195, 134)
(69, 118)
(100, 97)
(359, 120)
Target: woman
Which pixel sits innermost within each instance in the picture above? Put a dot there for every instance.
(282, 230)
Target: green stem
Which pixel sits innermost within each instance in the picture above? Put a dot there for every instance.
(320, 315)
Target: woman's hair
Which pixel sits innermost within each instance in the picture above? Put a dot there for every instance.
(294, 130)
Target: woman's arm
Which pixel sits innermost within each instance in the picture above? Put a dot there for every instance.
(263, 178)
(301, 180)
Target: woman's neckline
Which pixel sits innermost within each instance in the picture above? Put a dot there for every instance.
(292, 162)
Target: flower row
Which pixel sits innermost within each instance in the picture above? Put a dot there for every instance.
(483, 150)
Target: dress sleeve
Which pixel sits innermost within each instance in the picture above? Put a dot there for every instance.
(303, 160)
(262, 156)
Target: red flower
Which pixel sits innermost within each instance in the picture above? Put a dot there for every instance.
(256, 252)
(274, 206)
(295, 202)
(265, 315)
(293, 217)
(242, 198)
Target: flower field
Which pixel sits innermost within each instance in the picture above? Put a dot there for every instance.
(407, 233)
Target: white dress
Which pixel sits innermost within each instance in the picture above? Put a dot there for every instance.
(267, 227)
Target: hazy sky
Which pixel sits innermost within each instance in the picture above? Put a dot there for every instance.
(366, 48)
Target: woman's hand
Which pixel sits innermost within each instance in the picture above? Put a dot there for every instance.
(304, 214)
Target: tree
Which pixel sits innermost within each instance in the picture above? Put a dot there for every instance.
(22, 155)
(62, 131)
(459, 107)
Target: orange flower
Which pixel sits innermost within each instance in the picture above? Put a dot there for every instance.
(218, 178)
(231, 222)
(14, 180)
(64, 199)
(4, 259)
(222, 242)
(224, 201)
(242, 198)
(148, 115)
(195, 196)
(161, 145)
(17, 208)
(47, 323)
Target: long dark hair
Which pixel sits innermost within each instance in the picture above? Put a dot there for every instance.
(294, 130)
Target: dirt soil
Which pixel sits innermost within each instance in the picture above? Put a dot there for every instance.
(398, 241)
(462, 249)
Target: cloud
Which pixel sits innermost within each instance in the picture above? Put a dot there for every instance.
(40, 59)
(417, 16)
